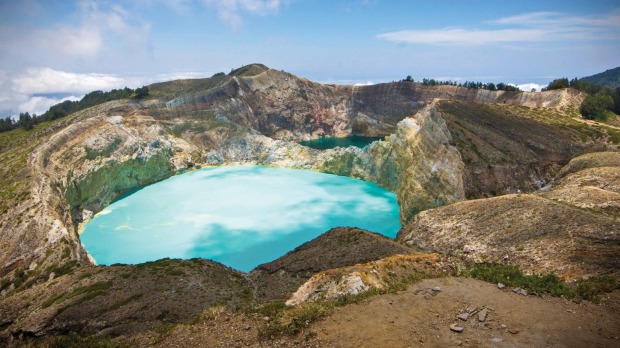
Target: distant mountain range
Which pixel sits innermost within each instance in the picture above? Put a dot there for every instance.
(610, 78)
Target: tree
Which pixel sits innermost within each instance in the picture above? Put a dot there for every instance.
(511, 88)
(558, 84)
(142, 92)
(6, 124)
(25, 121)
(491, 86)
(409, 78)
(617, 106)
(596, 106)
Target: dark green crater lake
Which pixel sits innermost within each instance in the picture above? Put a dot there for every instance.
(332, 142)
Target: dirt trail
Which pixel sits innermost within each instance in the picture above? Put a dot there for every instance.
(413, 318)
(421, 317)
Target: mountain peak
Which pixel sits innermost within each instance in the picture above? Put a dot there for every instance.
(249, 70)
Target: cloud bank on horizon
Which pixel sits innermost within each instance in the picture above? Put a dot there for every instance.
(57, 50)
(531, 27)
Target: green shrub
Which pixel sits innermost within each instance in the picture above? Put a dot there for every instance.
(511, 275)
(596, 106)
(585, 289)
(591, 288)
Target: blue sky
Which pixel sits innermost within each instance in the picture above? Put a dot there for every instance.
(54, 49)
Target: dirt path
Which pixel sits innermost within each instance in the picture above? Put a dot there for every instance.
(421, 317)
(416, 317)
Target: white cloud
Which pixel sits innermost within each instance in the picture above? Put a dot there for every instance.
(532, 18)
(38, 105)
(527, 87)
(23, 92)
(367, 83)
(47, 80)
(70, 42)
(529, 27)
(230, 11)
(462, 36)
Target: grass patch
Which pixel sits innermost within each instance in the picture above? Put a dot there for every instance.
(292, 320)
(90, 291)
(62, 269)
(73, 340)
(584, 289)
(347, 299)
(121, 303)
(4, 283)
(211, 313)
(19, 135)
(592, 288)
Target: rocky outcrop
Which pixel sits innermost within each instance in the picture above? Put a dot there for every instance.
(390, 102)
(376, 275)
(590, 181)
(338, 247)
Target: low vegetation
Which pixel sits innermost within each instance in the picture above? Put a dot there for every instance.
(90, 291)
(549, 284)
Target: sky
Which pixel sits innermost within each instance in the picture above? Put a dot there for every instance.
(52, 50)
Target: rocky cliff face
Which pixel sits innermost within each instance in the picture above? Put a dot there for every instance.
(375, 275)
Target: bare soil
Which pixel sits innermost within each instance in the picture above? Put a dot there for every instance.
(421, 317)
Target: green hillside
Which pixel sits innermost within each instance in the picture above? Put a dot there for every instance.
(610, 78)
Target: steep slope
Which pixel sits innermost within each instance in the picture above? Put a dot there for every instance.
(571, 228)
(511, 149)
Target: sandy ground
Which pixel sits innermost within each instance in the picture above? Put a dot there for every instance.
(421, 317)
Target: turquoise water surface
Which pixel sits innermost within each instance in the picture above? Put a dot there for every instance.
(241, 216)
(331, 142)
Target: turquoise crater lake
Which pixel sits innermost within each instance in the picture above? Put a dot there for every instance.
(241, 216)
